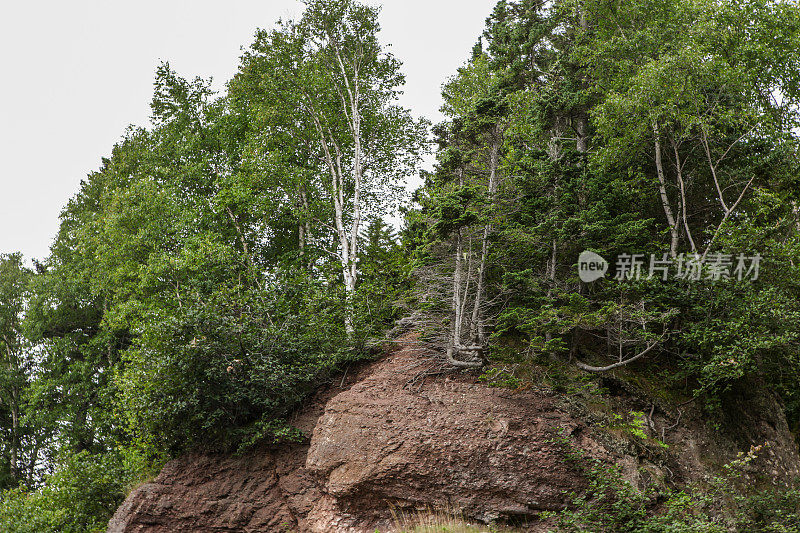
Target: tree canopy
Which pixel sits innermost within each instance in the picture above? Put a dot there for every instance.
(232, 256)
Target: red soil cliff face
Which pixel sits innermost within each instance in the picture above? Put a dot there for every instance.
(380, 441)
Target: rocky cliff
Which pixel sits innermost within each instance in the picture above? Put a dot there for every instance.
(391, 437)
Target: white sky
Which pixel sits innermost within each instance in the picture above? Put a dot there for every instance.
(76, 74)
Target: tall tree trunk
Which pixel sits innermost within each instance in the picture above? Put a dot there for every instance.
(454, 341)
(303, 229)
(15, 432)
(351, 278)
(796, 209)
(476, 322)
(458, 309)
(551, 276)
(662, 188)
(554, 152)
(683, 209)
(12, 367)
(454, 346)
(582, 118)
(348, 239)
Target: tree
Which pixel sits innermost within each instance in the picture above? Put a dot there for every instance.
(328, 86)
(19, 443)
(628, 127)
(473, 98)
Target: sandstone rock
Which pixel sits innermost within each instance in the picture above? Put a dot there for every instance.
(450, 443)
(387, 440)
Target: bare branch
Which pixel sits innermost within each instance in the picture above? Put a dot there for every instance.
(725, 218)
(598, 369)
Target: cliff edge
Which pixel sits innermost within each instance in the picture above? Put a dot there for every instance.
(392, 437)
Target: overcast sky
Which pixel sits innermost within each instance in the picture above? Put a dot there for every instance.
(76, 74)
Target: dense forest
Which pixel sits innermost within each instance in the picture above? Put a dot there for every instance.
(235, 254)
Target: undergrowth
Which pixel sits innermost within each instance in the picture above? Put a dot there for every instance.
(719, 504)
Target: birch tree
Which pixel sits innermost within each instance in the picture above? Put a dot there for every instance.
(331, 85)
(697, 104)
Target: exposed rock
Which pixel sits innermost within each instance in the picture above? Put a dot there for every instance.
(388, 440)
(451, 443)
(218, 493)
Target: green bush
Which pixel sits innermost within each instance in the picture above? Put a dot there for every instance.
(721, 504)
(79, 498)
(226, 368)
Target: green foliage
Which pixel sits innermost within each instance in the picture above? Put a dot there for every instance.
(18, 439)
(676, 78)
(216, 269)
(79, 498)
(634, 423)
(208, 373)
(194, 295)
(630, 127)
(500, 377)
(720, 504)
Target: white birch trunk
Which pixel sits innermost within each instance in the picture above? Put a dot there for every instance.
(476, 322)
(662, 188)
